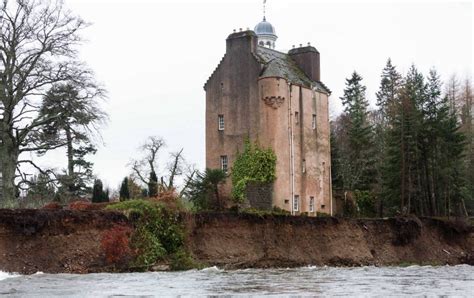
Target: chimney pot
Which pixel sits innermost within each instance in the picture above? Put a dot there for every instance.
(309, 43)
(301, 45)
(235, 30)
(240, 29)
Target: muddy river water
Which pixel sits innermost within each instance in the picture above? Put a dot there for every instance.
(312, 281)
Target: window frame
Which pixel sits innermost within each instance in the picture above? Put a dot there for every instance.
(311, 204)
(313, 121)
(220, 122)
(296, 203)
(224, 161)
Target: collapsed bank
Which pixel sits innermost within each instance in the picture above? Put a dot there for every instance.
(69, 241)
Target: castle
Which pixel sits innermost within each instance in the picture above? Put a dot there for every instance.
(277, 99)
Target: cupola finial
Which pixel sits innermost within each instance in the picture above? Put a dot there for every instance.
(264, 1)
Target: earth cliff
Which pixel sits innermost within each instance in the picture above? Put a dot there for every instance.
(70, 240)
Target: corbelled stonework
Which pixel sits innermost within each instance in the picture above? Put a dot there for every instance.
(274, 101)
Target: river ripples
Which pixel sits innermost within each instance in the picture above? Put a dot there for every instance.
(311, 281)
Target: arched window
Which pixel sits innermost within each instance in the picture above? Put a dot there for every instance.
(261, 43)
(269, 44)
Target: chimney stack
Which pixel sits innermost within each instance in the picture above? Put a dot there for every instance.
(307, 58)
(241, 41)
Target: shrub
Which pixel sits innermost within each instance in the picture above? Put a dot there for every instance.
(158, 232)
(79, 205)
(115, 244)
(52, 206)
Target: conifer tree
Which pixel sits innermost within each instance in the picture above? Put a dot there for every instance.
(388, 91)
(387, 101)
(153, 185)
(357, 157)
(124, 190)
(98, 193)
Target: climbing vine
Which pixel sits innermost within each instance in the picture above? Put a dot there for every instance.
(253, 165)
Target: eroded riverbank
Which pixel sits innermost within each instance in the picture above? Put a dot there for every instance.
(69, 241)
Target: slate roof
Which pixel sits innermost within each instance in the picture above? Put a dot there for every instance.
(277, 64)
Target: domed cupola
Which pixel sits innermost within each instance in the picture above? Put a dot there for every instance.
(266, 34)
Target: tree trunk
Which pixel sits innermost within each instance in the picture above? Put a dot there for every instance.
(8, 161)
(70, 153)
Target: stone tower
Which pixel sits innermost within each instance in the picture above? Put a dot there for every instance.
(278, 99)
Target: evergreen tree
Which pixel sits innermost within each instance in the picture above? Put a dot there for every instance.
(387, 101)
(153, 185)
(124, 190)
(358, 155)
(388, 91)
(98, 193)
(76, 115)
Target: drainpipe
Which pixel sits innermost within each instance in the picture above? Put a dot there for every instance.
(292, 159)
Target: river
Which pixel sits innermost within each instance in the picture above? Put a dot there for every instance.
(314, 281)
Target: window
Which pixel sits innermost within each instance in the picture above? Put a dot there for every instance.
(304, 166)
(297, 117)
(311, 204)
(224, 163)
(296, 203)
(220, 120)
(322, 206)
(313, 122)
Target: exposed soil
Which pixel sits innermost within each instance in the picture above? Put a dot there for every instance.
(70, 241)
(238, 241)
(54, 241)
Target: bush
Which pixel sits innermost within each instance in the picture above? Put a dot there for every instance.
(158, 231)
(115, 244)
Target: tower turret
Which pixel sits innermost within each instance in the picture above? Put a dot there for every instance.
(266, 34)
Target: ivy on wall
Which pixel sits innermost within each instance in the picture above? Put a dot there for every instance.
(253, 165)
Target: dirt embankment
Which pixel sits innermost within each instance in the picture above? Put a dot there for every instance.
(237, 241)
(70, 241)
(54, 241)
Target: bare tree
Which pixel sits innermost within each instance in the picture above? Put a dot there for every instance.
(147, 169)
(38, 48)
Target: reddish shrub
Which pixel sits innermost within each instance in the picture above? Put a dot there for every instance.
(79, 205)
(52, 206)
(115, 243)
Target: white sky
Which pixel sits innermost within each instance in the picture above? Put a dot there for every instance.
(154, 57)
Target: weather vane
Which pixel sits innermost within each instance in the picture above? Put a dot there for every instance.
(264, 1)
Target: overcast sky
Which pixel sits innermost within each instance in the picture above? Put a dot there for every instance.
(154, 56)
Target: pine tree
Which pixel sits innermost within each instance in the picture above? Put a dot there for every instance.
(124, 190)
